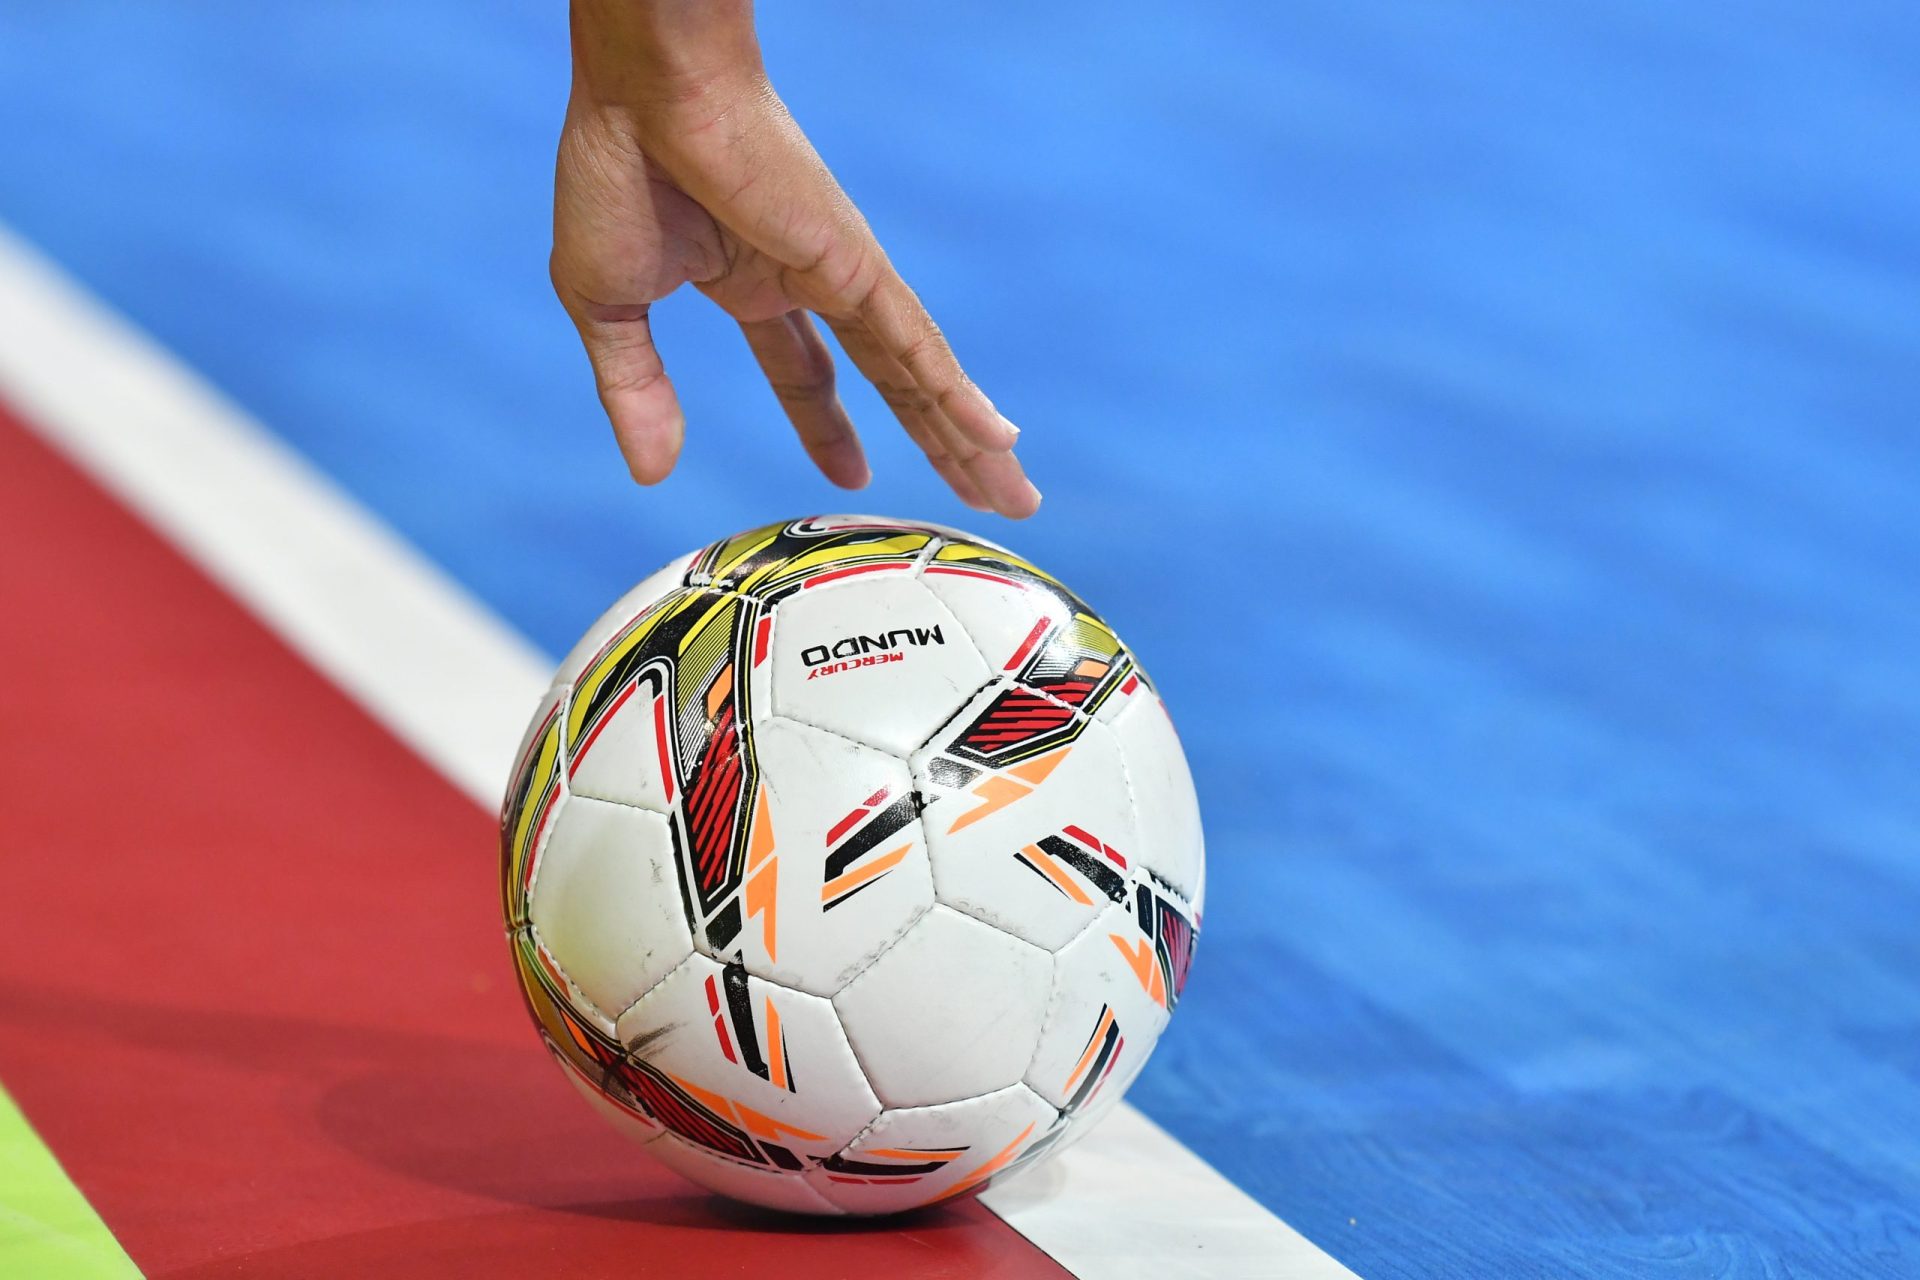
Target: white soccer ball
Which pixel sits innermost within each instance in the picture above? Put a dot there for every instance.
(851, 864)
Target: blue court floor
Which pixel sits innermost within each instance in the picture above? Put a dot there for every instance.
(1497, 430)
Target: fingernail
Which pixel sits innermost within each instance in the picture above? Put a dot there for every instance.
(1034, 494)
(1012, 432)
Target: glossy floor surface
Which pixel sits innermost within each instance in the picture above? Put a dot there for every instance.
(1494, 430)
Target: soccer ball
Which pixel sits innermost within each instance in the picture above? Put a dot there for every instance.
(850, 865)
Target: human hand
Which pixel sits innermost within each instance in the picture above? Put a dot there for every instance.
(679, 164)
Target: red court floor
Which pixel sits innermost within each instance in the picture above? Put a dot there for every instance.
(253, 992)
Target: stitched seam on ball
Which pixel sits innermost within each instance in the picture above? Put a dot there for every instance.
(1086, 927)
(866, 1072)
(869, 1127)
(790, 718)
(1055, 998)
(573, 988)
(666, 977)
(1133, 802)
(892, 942)
(1053, 960)
(624, 804)
(927, 553)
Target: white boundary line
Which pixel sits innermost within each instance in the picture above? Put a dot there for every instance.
(454, 682)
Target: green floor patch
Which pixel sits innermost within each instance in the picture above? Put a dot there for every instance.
(47, 1228)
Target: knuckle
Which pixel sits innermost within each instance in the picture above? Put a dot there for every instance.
(931, 342)
(628, 381)
(806, 388)
(915, 402)
(904, 400)
(858, 278)
(947, 398)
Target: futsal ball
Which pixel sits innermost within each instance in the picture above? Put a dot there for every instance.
(851, 865)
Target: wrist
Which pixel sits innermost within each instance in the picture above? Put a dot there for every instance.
(642, 53)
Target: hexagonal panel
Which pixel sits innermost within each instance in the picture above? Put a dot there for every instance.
(920, 1155)
(1004, 617)
(1039, 845)
(876, 658)
(751, 1070)
(952, 1010)
(847, 871)
(1030, 628)
(1170, 838)
(1109, 1004)
(606, 903)
(622, 757)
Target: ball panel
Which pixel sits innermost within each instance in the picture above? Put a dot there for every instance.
(683, 662)
(624, 756)
(683, 649)
(749, 1069)
(1171, 842)
(605, 904)
(921, 1155)
(952, 1010)
(1108, 1006)
(1040, 846)
(776, 560)
(846, 868)
(773, 1189)
(876, 658)
(1030, 628)
(1001, 614)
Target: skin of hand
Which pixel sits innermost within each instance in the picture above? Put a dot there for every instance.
(679, 164)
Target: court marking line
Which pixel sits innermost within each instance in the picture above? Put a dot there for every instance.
(47, 1228)
(426, 658)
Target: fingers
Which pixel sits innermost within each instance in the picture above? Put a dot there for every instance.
(756, 174)
(634, 389)
(985, 482)
(799, 368)
(976, 435)
(1004, 480)
(902, 327)
(959, 481)
(734, 149)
